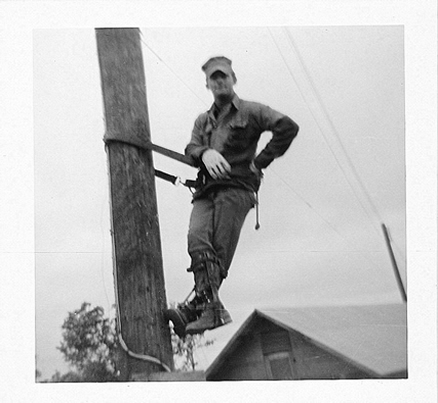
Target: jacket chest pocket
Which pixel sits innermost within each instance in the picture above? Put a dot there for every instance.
(239, 138)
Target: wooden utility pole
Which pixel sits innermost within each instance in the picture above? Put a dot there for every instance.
(138, 271)
(394, 264)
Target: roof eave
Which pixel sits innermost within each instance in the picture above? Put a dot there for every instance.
(229, 347)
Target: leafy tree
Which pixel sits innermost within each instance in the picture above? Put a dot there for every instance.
(89, 345)
(68, 377)
(185, 349)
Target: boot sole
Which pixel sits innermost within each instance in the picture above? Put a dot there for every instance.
(190, 331)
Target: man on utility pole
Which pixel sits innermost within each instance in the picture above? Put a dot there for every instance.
(223, 145)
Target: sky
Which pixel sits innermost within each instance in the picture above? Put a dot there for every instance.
(320, 240)
(322, 204)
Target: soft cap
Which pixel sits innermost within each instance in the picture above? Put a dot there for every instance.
(218, 63)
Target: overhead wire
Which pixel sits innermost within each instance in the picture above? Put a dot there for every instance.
(170, 69)
(319, 125)
(333, 127)
(122, 342)
(314, 117)
(334, 130)
(318, 97)
(306, 202)
(331, 150)
(366, 256)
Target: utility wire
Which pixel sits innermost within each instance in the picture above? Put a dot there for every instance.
(315, 119)
(321, 104)
(338, 137)
(171, 70)
(322, 218)
(319, 126)
(188, 87)
(332, 126)
(306, 202)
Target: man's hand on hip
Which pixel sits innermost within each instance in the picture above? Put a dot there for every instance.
(217, 166)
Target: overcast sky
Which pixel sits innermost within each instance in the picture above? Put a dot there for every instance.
(322, 204)
(320, 240)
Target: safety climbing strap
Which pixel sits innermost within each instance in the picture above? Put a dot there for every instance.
(147, 145)
(176, 180)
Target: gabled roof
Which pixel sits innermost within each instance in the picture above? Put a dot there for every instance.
(373, 337)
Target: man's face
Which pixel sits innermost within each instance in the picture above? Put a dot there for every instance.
(221, 84)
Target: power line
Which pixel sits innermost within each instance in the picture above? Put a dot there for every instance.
(320, 216)
(321, 129)
(338, 137)
(171, 70)
(306, 202)
(322, 107)
(188, 87)
(332, 126)
(321, 104)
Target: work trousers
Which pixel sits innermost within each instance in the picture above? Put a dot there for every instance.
(216, 222)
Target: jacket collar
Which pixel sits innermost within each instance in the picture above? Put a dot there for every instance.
(235, 102)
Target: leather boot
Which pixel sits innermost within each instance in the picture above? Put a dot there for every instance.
(214, 316)
(183, 314)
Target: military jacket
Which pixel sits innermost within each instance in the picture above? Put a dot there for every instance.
(235, 135)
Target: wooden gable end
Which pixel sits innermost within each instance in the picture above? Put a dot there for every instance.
(266, 351)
